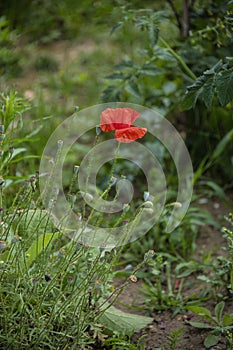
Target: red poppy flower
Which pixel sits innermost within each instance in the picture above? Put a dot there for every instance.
(121, 120)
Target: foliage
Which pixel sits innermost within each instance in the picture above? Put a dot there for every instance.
(220, 324)
(10, 64)
(54, 289)
(220, 78)
(58, 291)
(147, 76)
(220, 276)
(50, 21)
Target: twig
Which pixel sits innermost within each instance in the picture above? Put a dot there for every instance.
(185, 18)
(176, 15)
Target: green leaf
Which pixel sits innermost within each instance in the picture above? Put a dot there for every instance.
(202, 88)
(125, 64)
(222, 145)
(149, 69)
(200, 311)
(117, 76)
(207, 92)
(116, 27)
(39, 245)
(200, 325)
(218, 310)
(34, 132)
(211, 340)
(17, 151)
(218, 191)
(191, 94)
(122, 322)
(132, 88)
(227, 320)
(224, 82)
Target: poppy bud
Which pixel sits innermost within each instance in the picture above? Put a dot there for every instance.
(113, 181)
(128, 267)
(148, 211)
(125, 208)
(148, 204)
(59, 144)
(149, 254)
(176, 205)
(133, 278)
(76, 169)
(98, 130)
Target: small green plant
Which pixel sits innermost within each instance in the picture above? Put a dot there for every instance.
(117, 342)
(220, 324)
(46, 63)
(219, 271)
(172, 340)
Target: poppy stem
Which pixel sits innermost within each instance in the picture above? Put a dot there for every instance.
(105, 193)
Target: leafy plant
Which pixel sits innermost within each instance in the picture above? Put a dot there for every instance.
(219, 324)
(218, 78)
(10, 64)
(146, 76)
(50, 282)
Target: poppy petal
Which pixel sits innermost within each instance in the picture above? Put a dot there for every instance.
(130, 134)
(118, 118)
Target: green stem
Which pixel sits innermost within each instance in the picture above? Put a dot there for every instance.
(186, 69)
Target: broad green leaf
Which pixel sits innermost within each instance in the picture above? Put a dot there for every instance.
(207, 92)
(200, 325)
(111, 93)
(224, 82)
(211, 340)
(31, 222)
(39, 245)
(222, 145)
(200, 311)
(227, 320)
(191, 95)
(202, 88)
(218, 310)
(116, 320)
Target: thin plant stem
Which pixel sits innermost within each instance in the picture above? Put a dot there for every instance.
(179, 59)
